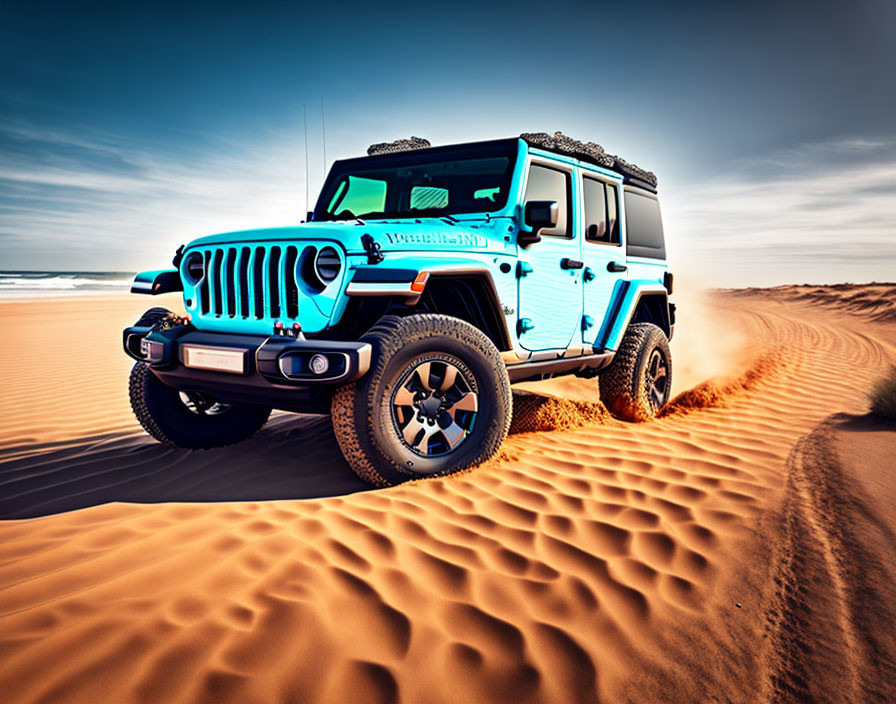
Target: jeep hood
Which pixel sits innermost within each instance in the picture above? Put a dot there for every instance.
(432, 234)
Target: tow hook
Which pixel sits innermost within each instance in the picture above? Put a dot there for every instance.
(295, 332)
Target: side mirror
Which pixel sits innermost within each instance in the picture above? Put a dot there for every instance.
(539, 215)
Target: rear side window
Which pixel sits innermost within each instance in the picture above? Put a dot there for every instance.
(550, 184)
(643, 226)
(600, 212)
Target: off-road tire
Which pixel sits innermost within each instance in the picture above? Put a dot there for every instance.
(164, 416)
(361, 411)
(622, 385)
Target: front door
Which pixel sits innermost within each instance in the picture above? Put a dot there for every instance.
(550, 273)
(602, 253)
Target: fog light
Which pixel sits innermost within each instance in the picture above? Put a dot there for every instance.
(319, 364)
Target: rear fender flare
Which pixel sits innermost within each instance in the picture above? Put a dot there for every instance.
(628, 299)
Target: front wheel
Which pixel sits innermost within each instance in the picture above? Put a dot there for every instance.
(437, 400)
(190, 419)
(638, 383)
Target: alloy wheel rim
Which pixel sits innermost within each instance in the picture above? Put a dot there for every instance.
(434, 407)
(657, 380)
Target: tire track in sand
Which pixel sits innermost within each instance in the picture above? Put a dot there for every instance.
(829, 620)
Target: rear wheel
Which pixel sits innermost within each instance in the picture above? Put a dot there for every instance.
(190, 419)
(638, 383)
(437, 400)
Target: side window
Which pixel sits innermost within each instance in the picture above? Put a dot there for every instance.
(601, 222)
(644, 226)
(550, 184)
(595, 201)
(613, 214)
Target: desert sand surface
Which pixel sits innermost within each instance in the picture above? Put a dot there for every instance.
(742, 548)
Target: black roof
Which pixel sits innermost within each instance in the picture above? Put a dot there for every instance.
(593, 153)
(558, 143)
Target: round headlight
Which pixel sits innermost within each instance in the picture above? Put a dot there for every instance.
(327, 265)
(195, 267)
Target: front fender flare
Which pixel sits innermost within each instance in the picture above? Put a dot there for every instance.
(154, 283)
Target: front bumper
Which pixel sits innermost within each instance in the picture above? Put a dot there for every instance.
(275, 370)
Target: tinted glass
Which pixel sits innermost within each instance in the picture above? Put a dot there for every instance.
(433, 182)
(550, 184)
(643, 226)
(427, 197)
(595, 202)
(613, 214)
(360, 195)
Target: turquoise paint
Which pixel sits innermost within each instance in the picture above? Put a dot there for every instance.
(475, 242)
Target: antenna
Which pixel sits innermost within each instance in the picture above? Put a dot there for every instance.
(305, 116)
(323, 131)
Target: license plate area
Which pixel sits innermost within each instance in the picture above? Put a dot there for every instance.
(219, 359)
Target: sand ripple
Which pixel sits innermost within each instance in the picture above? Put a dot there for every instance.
(610, 561)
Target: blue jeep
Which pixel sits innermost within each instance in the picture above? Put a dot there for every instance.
(423, 284)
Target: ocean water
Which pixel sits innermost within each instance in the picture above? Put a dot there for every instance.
(27, 284)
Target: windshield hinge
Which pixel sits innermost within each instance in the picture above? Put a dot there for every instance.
(374, 253)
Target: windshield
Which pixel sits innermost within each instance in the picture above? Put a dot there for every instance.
(432, 182)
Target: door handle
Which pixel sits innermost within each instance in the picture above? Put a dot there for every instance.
(567, 263)
(613, 266)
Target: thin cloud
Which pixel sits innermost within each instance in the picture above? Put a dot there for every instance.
(820, 212)
(86, 200)
(66, 199)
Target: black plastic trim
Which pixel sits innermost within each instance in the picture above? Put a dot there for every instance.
(638, 183)
(249, 388)
(380, 275)
(556, 367)
(613, 314)
(164, 282)
(263, 355)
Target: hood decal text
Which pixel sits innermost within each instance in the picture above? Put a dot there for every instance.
(452, 239)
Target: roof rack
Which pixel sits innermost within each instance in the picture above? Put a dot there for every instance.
(399, 145)
(592, 153)
(558, 143)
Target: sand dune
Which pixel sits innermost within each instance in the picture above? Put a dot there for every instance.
(875, 301)
(716, 554)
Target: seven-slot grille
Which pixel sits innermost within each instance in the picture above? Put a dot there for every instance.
(255, 282)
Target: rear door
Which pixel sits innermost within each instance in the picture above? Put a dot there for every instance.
(549, 272)
(602, 251)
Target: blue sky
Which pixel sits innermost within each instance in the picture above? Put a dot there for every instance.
(128, 129)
